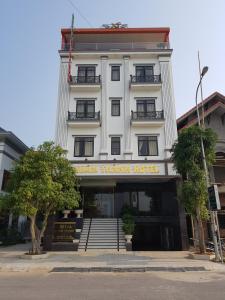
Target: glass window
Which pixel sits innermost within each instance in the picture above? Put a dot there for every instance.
(145, 106)
(115, 145)
(144, 73)
(84, 146)
(86, 74)
(147, 146)
(5, 180)
(115, 109)
(115, 73)
(85, 109)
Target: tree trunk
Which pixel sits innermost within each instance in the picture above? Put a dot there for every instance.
(35, 236)
(200, 231)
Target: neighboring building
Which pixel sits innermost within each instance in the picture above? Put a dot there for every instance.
(214, 118)
(11, 148)
(116, 117)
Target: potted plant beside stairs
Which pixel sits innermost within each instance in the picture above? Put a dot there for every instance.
(128, 228)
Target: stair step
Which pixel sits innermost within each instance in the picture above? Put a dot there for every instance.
(102, 234)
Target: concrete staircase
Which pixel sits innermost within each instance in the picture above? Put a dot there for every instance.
(102, 234)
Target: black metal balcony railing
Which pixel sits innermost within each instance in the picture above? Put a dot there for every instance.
(85, 79)
(147, 115)
(79, 116)
(146, 79)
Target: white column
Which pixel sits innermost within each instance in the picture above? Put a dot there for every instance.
(21, 223)
(62, 106)
(103, 144)
(127, 111)
(168, 104)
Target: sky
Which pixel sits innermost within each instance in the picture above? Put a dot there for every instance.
(30, 39)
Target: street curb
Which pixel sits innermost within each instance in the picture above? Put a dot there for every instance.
(120, 270)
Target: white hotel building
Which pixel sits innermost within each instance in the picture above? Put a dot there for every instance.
(116, 117)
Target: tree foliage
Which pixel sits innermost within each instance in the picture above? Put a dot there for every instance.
(42, 182)
(187, 159)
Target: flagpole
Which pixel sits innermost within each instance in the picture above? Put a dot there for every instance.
(70, 49)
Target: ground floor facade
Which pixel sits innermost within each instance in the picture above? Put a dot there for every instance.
(107, 189)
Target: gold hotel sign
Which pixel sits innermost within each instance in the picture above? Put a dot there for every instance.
(119, 169)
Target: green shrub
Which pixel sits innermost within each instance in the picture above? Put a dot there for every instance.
(128, 210)
(127, 217)
(128, 227)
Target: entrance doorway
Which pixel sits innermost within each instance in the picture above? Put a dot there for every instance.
(98, 203)
(104, 203)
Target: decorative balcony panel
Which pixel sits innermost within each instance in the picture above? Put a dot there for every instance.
(79, 119)
(132, 46)
(85, 83)
(145, 119)
(150, 82)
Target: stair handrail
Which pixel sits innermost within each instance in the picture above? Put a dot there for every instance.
(88, 234)
(118, 236)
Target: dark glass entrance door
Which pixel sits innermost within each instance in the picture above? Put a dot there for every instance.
(98, 203)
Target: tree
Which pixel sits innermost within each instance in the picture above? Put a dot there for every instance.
(42, 182)
(187, 158)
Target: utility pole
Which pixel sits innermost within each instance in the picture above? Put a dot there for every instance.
(212, 214)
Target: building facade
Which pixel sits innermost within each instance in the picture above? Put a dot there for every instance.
(11, 148)
(116, 118)
(212, 113)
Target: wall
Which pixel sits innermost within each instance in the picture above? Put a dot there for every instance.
(111, 125)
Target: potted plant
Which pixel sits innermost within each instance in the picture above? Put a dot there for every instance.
(79, 212)
(128, 226)
(66, 212)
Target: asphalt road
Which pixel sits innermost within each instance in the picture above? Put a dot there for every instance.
(132, 286)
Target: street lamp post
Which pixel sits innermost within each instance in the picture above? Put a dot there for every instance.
(212, 217)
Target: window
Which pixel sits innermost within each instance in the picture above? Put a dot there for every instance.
(115, 145)
(115, 73)
(221, 219)
(115, 108)
(144, 73)
(145, 106)
(147, 146)
(5, 179)
(85, 109)
(84, 146)
(86, 74)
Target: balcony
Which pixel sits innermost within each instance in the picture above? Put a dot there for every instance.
(131, 47)
(85, 83)
(151, 82)
(145, 119)
(78, 119)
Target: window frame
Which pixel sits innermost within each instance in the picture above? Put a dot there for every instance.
(116, 141)
(118, 68)
(148, 139)
(144, 70)
(5, 179)
(115, 102)
(82, 140)
(145, 102)
(85, 102)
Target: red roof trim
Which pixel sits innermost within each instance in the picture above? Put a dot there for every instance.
(206, 113)
(165, 30)
(200, 104)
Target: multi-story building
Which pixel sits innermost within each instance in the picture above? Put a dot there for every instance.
(11, 149)
(212, 112)
(116, 117)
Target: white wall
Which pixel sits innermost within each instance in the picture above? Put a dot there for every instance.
(116, 125)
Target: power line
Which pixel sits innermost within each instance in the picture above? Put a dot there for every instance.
(79, 12)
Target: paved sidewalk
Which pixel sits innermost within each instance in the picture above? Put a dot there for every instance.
(105, 261)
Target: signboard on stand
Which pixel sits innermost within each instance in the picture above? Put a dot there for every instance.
(64, 231)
